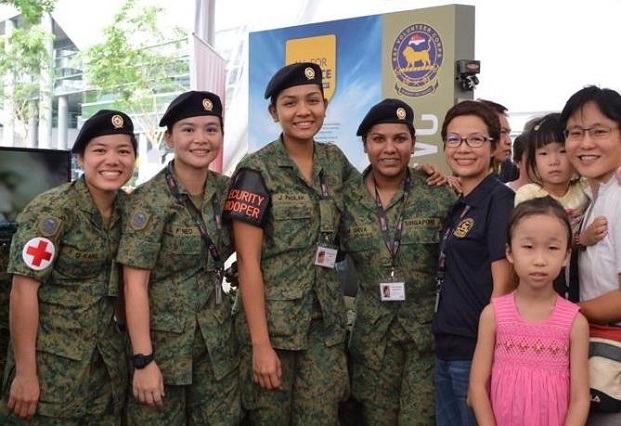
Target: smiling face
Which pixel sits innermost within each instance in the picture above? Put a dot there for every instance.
(538, 249)
(108, 163)
(389, 147)
(300, 110)
(196, 141)
(471, 165)
(594, 158)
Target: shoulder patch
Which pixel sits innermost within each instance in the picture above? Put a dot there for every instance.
(49, 226)
(38, 253)
(248, 200)
(139, 220)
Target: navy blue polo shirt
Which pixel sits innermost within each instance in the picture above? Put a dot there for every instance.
(479, 222)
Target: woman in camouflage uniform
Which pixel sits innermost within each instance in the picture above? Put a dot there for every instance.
(173, 247)
(284, 202)
(68, 365)
(390, 229)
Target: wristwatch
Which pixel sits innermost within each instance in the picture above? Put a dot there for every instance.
(140, 361)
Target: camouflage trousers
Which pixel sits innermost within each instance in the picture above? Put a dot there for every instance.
(206, 401)
(93, 405)
(401, 392)
(314, 381)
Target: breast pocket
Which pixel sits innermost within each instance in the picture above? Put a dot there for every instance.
(81, 263)
(181, 247)
(293, 226)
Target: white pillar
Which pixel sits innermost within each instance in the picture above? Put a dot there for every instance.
(8, 134)
(46, 87)
(63, 122)
(32, 127)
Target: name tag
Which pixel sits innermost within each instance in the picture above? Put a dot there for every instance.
(392, 291)
(325, 256)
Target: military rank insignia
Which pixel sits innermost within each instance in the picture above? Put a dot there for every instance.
(38, 253)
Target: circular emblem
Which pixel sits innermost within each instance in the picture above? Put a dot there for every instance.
(207, 104)
(401, 113)
(48, 226)
(309, 73)
(117, 121)
(38, 253)
(463, 228)
(416, 60)
(139, 220)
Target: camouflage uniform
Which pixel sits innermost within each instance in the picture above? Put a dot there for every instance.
(5, 291)
(81, 357)
(304, 302)
(392, 342)
(191, 334)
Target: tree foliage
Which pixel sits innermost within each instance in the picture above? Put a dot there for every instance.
(24, 56)
(136, 64)
(31, 10)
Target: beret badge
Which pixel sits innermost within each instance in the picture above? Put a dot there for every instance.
(207, 104)
(117, 121)
(309, 73)
(401, 113)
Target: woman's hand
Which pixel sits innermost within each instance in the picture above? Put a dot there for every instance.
(24, 395)
(266, 367)
(148, 385)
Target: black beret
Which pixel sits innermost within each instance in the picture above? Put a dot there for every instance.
(387, 111)
(192, 104)
(104, 122)
(294, 75)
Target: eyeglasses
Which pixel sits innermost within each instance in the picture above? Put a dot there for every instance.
(473, 141)
(596, 132)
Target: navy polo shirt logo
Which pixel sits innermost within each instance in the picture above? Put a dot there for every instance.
(463, 228)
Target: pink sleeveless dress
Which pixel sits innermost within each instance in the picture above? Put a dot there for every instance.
(530, 371)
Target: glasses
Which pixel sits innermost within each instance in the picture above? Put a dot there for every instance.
(473, 141)
(596, 132)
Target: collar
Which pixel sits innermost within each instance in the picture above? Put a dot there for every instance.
(283, 159)
(479, 195)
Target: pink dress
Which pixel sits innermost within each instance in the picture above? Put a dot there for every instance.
(530, 371)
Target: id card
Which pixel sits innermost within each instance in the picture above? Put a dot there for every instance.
(392, 291)
(325, 256)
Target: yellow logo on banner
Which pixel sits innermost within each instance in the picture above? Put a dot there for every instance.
(320, 50)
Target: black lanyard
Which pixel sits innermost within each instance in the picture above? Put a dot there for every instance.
(394, 245)
(184, 199)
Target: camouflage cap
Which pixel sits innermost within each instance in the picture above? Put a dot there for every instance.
(387, 111)
(104, 122)
(293, 75)
(192, 104)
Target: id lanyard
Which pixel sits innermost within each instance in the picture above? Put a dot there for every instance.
(184, 199)
(325, 197)
(440, 274)
(394, 245)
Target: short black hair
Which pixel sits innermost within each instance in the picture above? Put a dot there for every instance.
(546, 131)
(607, 100)
(539, 206)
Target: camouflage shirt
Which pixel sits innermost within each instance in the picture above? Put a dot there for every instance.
(160, 235)
(415, 263)
(299, 218)
(63, 242)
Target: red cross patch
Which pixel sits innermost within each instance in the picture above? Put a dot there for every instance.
(38, 253)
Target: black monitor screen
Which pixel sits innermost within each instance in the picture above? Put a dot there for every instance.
(26, 173)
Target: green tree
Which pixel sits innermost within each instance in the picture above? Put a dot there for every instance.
(31, 10)
(137, 65)
(21, 61)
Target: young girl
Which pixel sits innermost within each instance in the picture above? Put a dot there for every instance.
(530, 365)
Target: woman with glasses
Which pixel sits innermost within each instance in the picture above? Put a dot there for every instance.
(591, 119)
(472, 265)
(390, 228)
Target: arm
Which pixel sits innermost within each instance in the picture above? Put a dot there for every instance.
(482, 368)
(148, 384)
(604, 309)
(265, 362)
(580, 399)
(24, 322)
(594, 233)
(502, 276)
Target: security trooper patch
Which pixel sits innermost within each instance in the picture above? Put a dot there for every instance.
(248, 199)
(49, 226)
(139, 220)
(38, 253)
